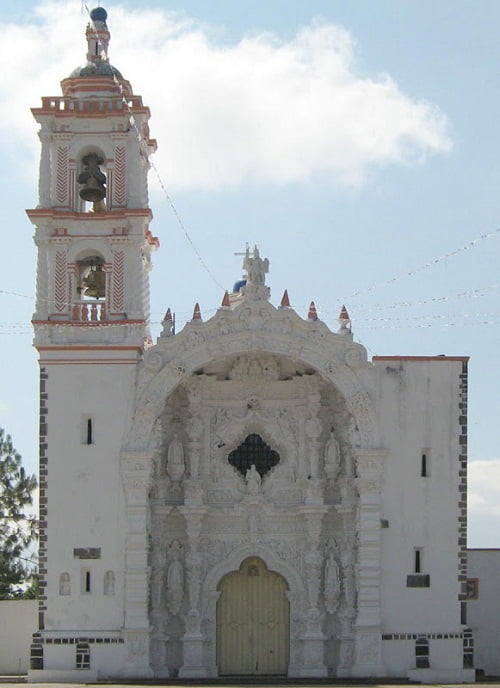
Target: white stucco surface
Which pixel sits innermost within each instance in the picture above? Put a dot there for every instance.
(18, 620)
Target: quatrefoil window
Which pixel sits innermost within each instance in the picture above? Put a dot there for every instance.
(253, 450)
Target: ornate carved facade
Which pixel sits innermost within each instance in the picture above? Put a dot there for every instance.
(243, 497)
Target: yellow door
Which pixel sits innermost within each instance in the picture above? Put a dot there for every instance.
(253, 621)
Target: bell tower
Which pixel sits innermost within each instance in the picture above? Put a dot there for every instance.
(91, 325)
(92, 221)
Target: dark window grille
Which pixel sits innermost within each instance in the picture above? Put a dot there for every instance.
(82, 656)
(253, 450)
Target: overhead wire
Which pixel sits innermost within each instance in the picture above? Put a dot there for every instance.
(473, 293)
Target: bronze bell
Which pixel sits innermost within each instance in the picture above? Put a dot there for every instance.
(95, 283)
(92, 178)
(92, 191)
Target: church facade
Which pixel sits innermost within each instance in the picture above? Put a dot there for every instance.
(250, 496)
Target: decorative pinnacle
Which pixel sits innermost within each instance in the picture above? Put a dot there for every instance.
(196, 312)
(168, 324)
(313, 314)
(285, 301)
(344, 319)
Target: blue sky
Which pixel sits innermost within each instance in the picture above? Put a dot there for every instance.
(355, 142)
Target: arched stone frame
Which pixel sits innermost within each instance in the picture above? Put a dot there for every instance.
(86, 248)
(162, 374)
(210, 595)
(261, 328)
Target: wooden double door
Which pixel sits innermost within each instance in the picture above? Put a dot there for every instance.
(253, 622)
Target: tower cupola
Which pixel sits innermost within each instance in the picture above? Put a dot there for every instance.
(97, 75)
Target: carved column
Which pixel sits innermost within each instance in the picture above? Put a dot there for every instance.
(368, 641)
(159, 619)
(136, 473)
(313, 638)
(193, 641)
(193, 487)
(313, 430)
(347, 613)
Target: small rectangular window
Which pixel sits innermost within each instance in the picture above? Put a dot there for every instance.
(425, 463)
(472, 588)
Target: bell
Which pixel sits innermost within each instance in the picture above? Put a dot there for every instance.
(92, 191)
(95, 283)
(92, 178)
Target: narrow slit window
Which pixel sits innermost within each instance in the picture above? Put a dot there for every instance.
(86, 581)
(425, 463)
(88, 430)
(418, 560)
(423, 469)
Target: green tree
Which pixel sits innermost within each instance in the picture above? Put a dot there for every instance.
(18, 528)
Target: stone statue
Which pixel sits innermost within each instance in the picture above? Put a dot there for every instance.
(255, 267)
(332, 456)
(331, 583)
(253, 480)
(175, 459)
(175, 580)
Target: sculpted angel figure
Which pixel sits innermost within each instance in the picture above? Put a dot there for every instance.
(255, 267)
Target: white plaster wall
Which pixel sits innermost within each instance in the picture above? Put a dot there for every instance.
(18, 620)
(483, 614)
(86, 502)
(418, 409)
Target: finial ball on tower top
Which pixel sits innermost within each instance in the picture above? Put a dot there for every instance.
(99, 14)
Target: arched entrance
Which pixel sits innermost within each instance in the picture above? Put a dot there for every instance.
(253, 622)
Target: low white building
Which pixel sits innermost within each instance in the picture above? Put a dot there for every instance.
(483, 608)
(251, 496)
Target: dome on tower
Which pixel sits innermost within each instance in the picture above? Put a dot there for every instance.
(96, 68)
(99, 14)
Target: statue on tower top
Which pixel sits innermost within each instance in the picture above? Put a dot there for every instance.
(255, 267)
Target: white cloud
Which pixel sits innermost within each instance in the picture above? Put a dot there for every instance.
(484, 488)
(262, 110)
